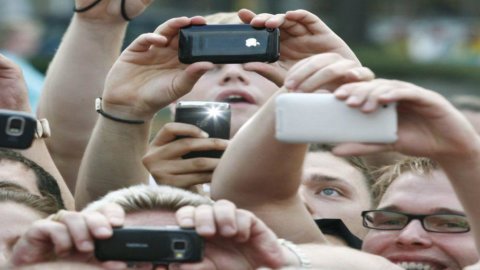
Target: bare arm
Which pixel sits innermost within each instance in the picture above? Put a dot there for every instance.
(76, 76)
(146, 78)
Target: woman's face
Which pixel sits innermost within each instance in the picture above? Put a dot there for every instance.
(245, 90)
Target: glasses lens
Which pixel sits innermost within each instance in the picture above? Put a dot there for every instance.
(447, 223)
(385, 220)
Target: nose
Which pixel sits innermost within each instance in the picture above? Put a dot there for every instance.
(414, 235)
(233, 73)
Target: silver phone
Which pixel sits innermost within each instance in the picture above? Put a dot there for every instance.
(322, 118)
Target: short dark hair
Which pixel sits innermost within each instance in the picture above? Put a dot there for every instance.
(46, 183)
(11, 192)
(356, 162)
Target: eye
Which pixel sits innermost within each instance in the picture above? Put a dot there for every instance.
(329, 192)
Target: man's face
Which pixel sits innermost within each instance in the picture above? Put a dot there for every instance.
(422, 194)
(15, 221)
(245, 90)
(16, 172)
(332, 188)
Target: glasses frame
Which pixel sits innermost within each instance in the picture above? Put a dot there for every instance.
(410, 217)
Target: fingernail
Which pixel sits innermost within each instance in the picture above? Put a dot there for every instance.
(290, 84)
(352, 100)
(86, 246)
(370, 105)
(103, 231)
(340, 92)
(204, 134)
(355, 73)
(186, 222)
(228, 231)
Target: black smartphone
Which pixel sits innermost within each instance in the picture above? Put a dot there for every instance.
(228, 43)
(158, 245)
(212, 117)
(17, 129)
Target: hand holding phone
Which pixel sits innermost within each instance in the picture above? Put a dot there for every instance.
(315, 117)
(228, 43)
(211, 117)
(158, 245)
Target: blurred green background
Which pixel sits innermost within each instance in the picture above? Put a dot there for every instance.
(434, 43)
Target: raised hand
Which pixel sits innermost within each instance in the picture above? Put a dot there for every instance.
(428, 125)
(164, 158)
(302, 34)
(148, 76)
(13, 90)
(236, 239)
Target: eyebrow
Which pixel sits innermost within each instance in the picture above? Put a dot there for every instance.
(437, 210)
(315, 177)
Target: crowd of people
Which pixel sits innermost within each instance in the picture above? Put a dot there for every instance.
(410, 204)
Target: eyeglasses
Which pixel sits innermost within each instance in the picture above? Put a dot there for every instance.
(391, 220)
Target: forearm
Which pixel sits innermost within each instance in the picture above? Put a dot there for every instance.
(256, 167)
(38, 152)
(75, 77)
(463, 173)
(112, 160)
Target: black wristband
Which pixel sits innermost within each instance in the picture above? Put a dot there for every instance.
(123, 10)
(98, 108)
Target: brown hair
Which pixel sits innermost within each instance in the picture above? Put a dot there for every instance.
(10, 192)
(388, 174)
(143, 197)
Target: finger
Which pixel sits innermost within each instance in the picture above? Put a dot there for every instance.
(334, 73)
(114, 213)
(114, 265)
(170, 28)
(344, 91)
(172, 130)
(246, 15)
(300, 22)
(372, 102)
(182, 180)
(225, 218)
(98, 225)
(359, 74)
(358, 96)
(356, 149)
(184, 83)
(260, 19)
(186, 217)
(205, 264)
(78, 230)
(275, 21)
(204, 221)
(145, 41)
(244, 223)
(180, 147)
(272, 72)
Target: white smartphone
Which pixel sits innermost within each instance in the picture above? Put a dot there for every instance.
(322, 118)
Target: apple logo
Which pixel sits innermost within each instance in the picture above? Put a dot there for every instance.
(251, 42)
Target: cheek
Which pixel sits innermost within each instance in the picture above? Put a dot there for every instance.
(375, 242)
(459, 247)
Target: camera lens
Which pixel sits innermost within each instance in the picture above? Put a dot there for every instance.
(179, 245)
(15, 126)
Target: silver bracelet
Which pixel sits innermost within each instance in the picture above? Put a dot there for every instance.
(302, 258)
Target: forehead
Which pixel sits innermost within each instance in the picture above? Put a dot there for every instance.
(19, 173)
(415, 193)
(150, 218)
(16, 217)
(326, 164)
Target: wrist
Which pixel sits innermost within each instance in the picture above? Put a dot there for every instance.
(294, 256)
(135, 113)
(103, 27)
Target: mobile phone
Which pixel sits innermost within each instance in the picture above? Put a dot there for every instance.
(212, 117)
(17, 129)
(316, 117)
(158, 245)
(228, 43)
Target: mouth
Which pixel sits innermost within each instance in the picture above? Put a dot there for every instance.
(419, 266)
(235, 97)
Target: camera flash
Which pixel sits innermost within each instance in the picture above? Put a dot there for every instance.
(214, 112)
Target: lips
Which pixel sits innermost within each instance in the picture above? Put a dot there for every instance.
(235, 97)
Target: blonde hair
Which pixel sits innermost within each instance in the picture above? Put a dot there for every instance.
(387, 174)
(223, 18)
(143, 197)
